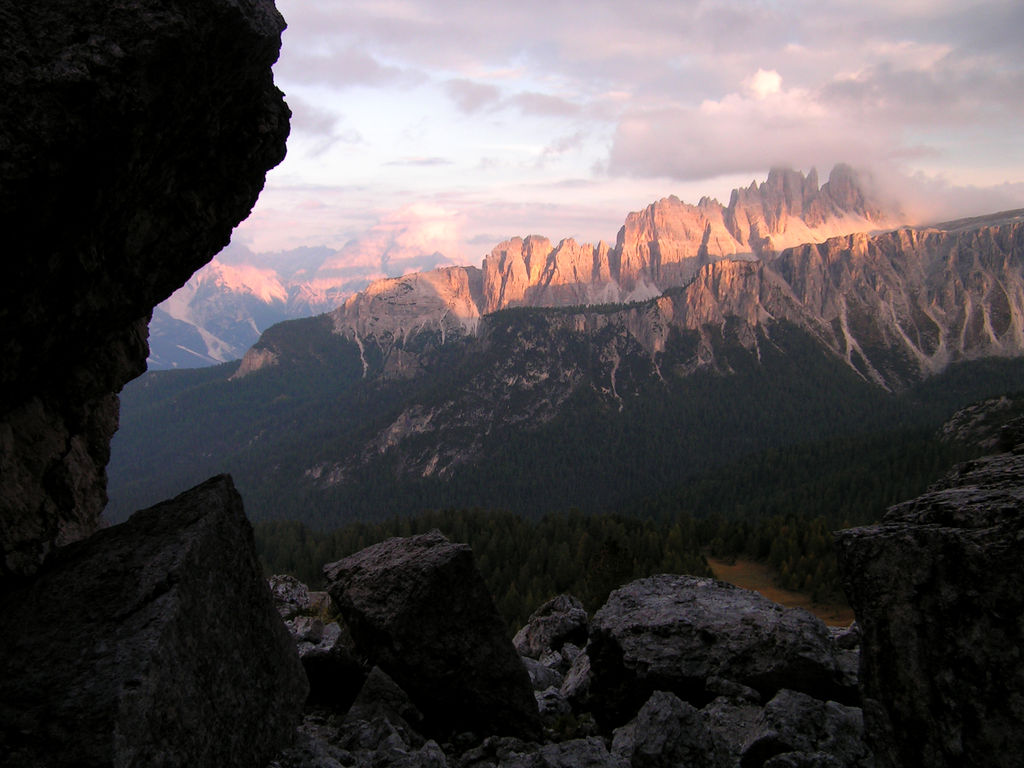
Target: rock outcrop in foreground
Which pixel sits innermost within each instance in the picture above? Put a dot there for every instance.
(686, 634)
(937, 591)
(419, 609)
(154, 642)
(672, 671)
(133, 137)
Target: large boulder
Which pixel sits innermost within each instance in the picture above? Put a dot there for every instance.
(133, 137)
(154, 642)
(418, 608)
(685, 634)
(936, 587)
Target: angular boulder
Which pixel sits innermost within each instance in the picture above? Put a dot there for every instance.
(666, 732)
(133, 137)
(154, 642)
(677, 633)
(936, 587)
(809, 732)
(418, 608)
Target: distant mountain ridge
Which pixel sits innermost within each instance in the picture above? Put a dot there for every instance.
(664, 246)
(896, 306)
(222, 310)
(224, 307)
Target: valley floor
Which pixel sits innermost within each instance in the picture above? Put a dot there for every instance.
(750, 574)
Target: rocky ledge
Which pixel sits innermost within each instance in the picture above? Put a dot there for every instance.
(936, 589)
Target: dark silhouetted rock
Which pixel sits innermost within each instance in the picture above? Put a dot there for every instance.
(667, 732)
(419, 609)
(154, 642)
(133, 137)
(589, 752)
(382, 716)
(846, 642)
(560, 620)
(374, 734)
(673, 633)
(335, 674)
(797, 723)
(575, 753)
(936, 587)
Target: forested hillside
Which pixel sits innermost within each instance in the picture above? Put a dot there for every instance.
(789, 408)
(778, 508)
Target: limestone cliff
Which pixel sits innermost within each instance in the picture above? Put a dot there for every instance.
(665, 244)
(132, 140)
(896, 307)
(668, 245)
(445, 300)
(531, 273)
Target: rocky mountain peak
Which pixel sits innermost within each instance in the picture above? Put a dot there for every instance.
(445, 299)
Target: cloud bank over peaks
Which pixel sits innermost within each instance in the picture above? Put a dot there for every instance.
(763, 123)
(414, 238)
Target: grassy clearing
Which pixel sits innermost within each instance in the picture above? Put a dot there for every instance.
(758, 577)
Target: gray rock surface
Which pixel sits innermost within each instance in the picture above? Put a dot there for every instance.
(560, 620)
(666, 732)
(576, 753)
(589, 752)
(291, 596)
(576, 684)
(133, 137)
(673, 633)
(797, 723)
(541, 676)
(936, 590)
(154, 642)
(418, 608)
(381, 717)
(328, 740)
(326, 650)
(730, 723)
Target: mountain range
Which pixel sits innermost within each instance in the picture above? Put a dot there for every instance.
(717, 341)
(219, 313)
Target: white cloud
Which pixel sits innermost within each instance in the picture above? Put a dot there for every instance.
(764, 83)
(743, 133)
(417, 236)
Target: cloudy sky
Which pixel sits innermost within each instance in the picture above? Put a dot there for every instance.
(447, 126)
